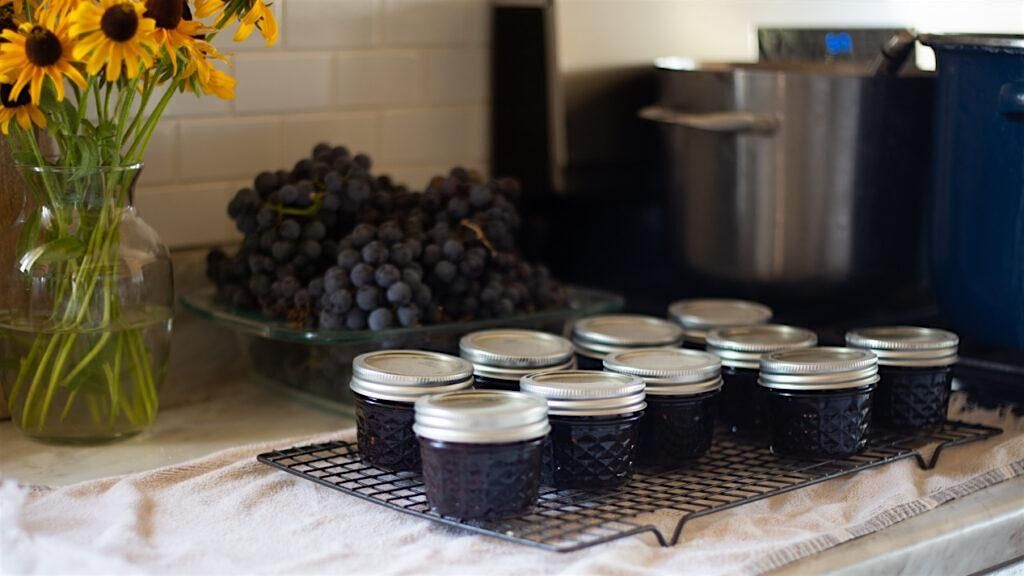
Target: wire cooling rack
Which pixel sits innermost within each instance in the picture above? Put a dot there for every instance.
(734, 472)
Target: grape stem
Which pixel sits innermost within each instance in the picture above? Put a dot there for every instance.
(479, 233)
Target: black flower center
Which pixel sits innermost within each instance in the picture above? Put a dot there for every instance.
(119, 23)
(167, 13)
(5, 97)
(42, 47)
(7, 19)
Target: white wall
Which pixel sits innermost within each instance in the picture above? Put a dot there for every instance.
(403, 80)
(598, 33)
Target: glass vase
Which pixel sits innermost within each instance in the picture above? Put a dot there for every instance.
(85, 334)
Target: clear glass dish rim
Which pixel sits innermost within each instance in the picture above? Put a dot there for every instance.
(583, 302)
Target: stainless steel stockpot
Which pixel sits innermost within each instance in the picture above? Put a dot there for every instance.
(797, 175)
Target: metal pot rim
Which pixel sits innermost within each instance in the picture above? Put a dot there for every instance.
(974, 40)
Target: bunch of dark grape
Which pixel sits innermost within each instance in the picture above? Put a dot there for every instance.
(328, 245)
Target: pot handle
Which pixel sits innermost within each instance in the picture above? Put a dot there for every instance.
(1011, 98)
(738, 121)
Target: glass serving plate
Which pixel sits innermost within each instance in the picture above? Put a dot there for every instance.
(318, 364)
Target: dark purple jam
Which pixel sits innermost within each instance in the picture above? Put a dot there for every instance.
(744, 402)
(911, 398)
(675, 429)
(384, 433)
(478, 481)
(588, 363)
(820, 423)
(590, 451)
(487, 383)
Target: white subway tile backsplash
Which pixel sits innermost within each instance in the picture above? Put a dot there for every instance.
(478, 130)
(190, 214)
(429, 135)
(425, 22)
(378, 78)
(225, 149)
(297, 81)
(161, 156)
(478, 23)
(188, 104)
(357, 131)
(331, 23)
(457, 76)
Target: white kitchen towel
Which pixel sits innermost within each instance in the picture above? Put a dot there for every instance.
(228, 514)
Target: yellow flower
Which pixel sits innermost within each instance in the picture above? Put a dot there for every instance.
(62, 6)
(173, 32)
(259, 16)
(16, 7)
(20, 109)
(207, 8)
(36, 52)
(204, 77)
(113, 32)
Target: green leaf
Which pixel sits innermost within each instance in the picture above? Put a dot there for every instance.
(57, 250)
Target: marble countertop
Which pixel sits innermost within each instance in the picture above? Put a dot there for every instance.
(238, 412)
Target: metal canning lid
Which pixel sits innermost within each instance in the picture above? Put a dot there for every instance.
(907, 345)
(405, 375)
(669, 371)
(822, 368)
(743, 346)
(481, 417)
(587, 392)
(509, 354)
(699, 315)
(597, 336)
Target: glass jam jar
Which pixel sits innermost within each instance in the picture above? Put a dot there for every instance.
(741, 348)
(501, 357)
(597, 336)
(595, 426)
(699, 315)
(819, 400)
(682, 394)
(385, 385)
(915, 371)
(481, 451)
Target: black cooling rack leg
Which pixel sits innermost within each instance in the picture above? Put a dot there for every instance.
(934, 459)
(677, 533)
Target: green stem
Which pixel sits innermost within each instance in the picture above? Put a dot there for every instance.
(147, 94)
(84, 362)
(67, 405)
(142, 138)
(23, 370)
(115, 379)
(36, 379)
(58, 367)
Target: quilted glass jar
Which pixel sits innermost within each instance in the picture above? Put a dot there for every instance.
(744, 403)
(481, 451)
(915, 373)
(682, 394)
(385, 385)
(501, 357)
(595, 430)
(595, 337)
(819, 400)
(698, 316)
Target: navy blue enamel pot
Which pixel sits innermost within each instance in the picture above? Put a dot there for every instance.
(977, 239)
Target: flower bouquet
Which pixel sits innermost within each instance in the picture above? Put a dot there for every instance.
(83, 84)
